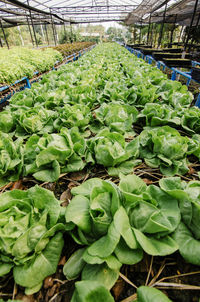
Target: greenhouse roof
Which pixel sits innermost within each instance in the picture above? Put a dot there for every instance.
(177, 11)
(25, 12)
(14, 12)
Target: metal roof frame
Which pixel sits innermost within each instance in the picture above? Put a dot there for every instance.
(75, 12)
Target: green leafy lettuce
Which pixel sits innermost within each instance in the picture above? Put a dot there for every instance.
(190, 120)
(157, 115)
(117, 117)
(31, 240)
(11, 159)
(111, 150)
(165, 148)
(48, 156)
(187, 234)
(115, 224)
(97, 220)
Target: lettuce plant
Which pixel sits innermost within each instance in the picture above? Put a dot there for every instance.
(34, 120)
(115, 224)
(157, 115)
(31, 238)
(165, 148)
(111, 150)
(70, 116)
(174, 94)
(153, 215)
(47, 156)
(11, 159)
(6, 121)
(117, 117)
(88, 291)
(187, 234)
(190, 120)
(97, 220)
(149, 294)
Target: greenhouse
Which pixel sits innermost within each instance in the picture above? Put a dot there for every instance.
(100, 150)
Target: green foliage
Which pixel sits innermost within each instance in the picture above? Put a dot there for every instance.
(11, 159)
(149, 294)
(116, 224)
(108, 220)
(110, 148)
(17, 63)
(31, 243)
(158, 115)
(89, 291)
(69, 36)
(187, 234)
(117, 117)
(47, 156)
(83, 114)
(165, 148)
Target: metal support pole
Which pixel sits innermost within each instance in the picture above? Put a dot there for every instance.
(30, 31)
(172, 31)
(140, 33)
(54, 37)
(20, 34)
(1, 42)
(152, 25)
(71, 39)
(152, 28)
(190, 27)
(197, 23)
(148, 30)
(4, 35)
(42, 31)
(45, 28)
(134, 35)
(64, 27)
(56, 34)
(34, 33)
(162, 26)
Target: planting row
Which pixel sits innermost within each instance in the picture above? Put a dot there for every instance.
(84, 114)
(70, 48)
(113, 224)
(107, 110)
(19, 62)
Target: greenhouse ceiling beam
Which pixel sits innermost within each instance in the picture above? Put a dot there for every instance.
(28, 7)
(94, 8)
(160, 6)
(9, 11)
(95, 13)
(25, 23)
(96, 21)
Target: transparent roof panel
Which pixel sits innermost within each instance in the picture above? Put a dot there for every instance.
(86, 11)
(71, 10)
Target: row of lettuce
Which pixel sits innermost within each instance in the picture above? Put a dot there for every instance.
(113, 225)
(84, 114)
(20, 62)
(87, 114)
(70, 48)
